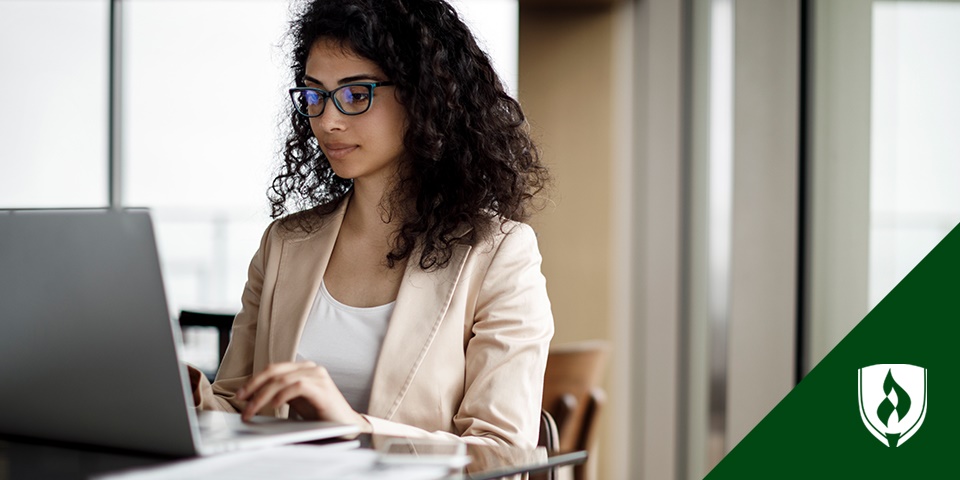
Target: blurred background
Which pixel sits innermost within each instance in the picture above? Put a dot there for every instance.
(737, 182)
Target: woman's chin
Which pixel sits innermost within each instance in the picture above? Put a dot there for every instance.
(344, 173)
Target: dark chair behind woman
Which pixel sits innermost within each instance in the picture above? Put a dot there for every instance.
(221, 321)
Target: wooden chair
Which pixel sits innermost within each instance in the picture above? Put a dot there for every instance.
(573, 396)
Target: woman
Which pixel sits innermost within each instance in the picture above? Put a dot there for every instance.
(404, 296)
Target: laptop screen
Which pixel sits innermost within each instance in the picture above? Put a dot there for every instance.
(87, 347)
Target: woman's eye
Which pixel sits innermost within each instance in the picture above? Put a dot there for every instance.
(356, 95)
(312, 97)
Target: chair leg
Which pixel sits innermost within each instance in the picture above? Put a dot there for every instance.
(592, 410)
(564, 408)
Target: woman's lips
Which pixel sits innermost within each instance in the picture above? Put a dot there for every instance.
(338, 150)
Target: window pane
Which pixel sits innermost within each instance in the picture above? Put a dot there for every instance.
(204, 88)
(202, 94)
(54, 98)
(496, 25)
(915, 159)
(884, 166)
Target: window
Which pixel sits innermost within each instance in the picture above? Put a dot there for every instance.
(202, 96)
(914, 149)
(54, 97)
(203, 89)
(884, 154)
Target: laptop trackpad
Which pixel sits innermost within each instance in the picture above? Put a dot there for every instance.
(212, 422)
(221, 431)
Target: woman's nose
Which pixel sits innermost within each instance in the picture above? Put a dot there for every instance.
(331, 119)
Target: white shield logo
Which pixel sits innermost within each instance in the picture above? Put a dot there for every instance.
(893, 401)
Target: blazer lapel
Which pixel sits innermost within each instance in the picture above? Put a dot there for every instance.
(302, 264)
(422, 303)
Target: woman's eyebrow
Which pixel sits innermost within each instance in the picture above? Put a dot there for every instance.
(354, 78)
(344, 81)
(308, 78)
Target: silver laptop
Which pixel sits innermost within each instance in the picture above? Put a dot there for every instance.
(88, 350)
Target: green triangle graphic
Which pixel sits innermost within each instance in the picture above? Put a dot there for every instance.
(816, 430)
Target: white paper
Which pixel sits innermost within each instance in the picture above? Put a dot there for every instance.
(301, 462)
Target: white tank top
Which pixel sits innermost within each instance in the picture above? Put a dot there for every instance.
(346, 341)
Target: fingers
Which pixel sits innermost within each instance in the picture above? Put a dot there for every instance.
(297, 389)
(306, 387)
(266, 375)
(266, 394)
(281, 383)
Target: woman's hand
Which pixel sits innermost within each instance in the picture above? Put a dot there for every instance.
(195, 375)
(306, 386)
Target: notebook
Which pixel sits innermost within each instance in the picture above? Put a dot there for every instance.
(89, 351)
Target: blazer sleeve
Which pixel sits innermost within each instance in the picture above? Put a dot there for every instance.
(506, 356)
(237, 364)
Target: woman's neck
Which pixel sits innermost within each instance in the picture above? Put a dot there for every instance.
(367, 215)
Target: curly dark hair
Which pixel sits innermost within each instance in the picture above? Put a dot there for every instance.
(468, 154)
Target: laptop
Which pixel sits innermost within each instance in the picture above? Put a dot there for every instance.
(88, 350)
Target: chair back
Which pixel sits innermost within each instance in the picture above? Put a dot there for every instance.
(549, 439)
(221, 321)
(572, 393)
(549, 436)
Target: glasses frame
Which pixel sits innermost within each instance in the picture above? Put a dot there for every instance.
(325, 94)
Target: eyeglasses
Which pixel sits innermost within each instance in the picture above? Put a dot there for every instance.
(350, 99)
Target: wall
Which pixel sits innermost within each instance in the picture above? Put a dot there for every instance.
(565, 83)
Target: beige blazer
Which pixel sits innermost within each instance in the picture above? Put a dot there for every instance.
(465, 349)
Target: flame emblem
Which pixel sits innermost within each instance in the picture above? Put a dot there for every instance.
(893, 401)
(887, 406)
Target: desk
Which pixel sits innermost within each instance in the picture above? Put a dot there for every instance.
(26, 458)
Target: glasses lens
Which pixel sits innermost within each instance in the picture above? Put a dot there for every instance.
(308, 102)
(314, 102)
(353, 99)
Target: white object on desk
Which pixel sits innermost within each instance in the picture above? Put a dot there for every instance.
(409, 451)
(339, 461)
